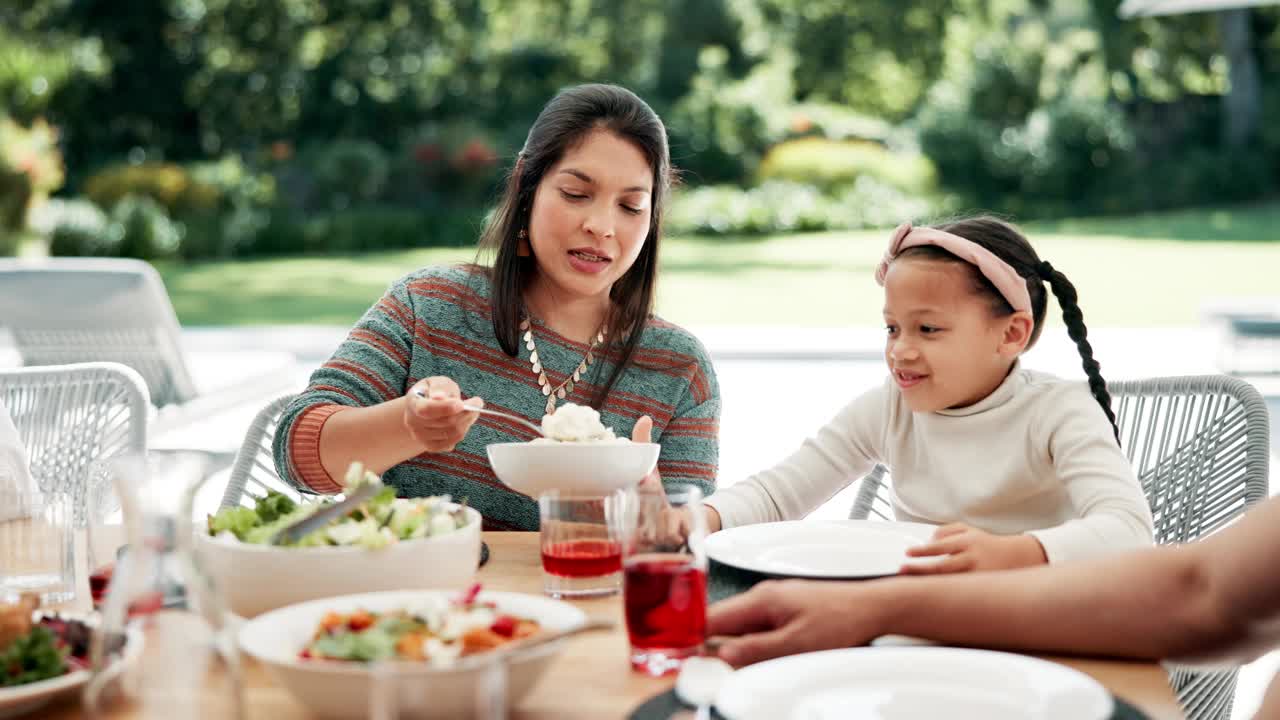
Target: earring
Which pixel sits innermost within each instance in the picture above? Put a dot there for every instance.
(522, 247)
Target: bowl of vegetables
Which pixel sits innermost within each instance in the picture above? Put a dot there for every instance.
(432, 644)
(387, 543)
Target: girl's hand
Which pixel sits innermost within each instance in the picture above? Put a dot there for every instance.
(676, 521)
(438, 421)
(970, 549)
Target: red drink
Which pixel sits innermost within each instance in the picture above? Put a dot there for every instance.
(99, 582)
(582, 558)
(666, 605)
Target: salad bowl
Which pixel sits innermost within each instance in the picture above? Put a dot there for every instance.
(436, 547)
(342, 689)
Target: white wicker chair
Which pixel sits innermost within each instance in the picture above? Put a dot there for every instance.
(69, 416)
(254, 467)
(1200, 446)
(70, 310)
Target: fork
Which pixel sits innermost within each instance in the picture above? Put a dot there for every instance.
(495, 413)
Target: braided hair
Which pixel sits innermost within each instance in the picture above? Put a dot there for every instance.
(1006, 242)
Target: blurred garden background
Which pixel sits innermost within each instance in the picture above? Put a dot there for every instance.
(281, 161)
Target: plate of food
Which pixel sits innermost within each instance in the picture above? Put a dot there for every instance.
(324, 651)
(44, 655)
(578, 455)
(387, 543)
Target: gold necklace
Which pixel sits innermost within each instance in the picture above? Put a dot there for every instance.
(558, 392)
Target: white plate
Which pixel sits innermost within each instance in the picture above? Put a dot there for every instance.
(820, 549)
(20, 700)
(895, 683)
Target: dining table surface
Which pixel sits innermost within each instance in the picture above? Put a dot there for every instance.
(592, 677)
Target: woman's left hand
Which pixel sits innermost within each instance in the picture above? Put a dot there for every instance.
(969, 549)
(641, 433)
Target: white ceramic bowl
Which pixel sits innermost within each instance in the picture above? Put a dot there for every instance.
(341, 690)
(258, 578)
(572, 468)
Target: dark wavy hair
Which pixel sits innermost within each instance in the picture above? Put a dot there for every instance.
(1009, 244)
(566, 121)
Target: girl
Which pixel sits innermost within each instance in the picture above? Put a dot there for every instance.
(1019, 467)
(563, 314)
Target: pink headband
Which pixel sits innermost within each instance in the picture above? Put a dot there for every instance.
(1007, 280)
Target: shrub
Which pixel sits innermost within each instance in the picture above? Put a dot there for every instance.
(76, 228)
(171, 186)
(779, 206)
(30, 169)
(146, 232)
(443, 165)
(136, 227)
(1066, 156)
(348, 172)
(363, 229)
(833, 164)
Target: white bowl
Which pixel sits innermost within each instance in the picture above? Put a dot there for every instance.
(258, 578)
(22, 699)
(341, 690)
(571, 467)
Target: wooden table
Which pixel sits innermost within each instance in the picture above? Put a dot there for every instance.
(592, 677)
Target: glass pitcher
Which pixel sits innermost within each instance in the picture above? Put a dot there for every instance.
(158, 597)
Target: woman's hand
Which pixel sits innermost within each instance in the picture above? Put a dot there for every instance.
(969, 548)
(438, 421)
(642, 433)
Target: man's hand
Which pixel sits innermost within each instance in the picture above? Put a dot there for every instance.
(777, 618)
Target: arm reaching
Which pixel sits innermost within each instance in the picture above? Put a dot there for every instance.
(1214, 599)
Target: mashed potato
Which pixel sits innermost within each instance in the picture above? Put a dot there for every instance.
(576, 424)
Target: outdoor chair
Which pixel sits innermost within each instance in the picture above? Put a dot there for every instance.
(254, 470)
(65, 310)
(1200, 447)
(70, 416)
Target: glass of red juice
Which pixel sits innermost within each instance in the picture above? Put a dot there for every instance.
(581, 543)
(665, 579)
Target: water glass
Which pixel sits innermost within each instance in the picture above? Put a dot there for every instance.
(665, 580)
(191, 666)
(37, 545)
(582, 543)
(103, 518)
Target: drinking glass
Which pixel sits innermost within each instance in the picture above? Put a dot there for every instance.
(665, 580)
(582, 543)
(37, 543)
(191, 666)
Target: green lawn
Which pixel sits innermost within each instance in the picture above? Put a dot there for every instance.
(1131, 271)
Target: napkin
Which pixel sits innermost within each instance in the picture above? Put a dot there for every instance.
(16, 486)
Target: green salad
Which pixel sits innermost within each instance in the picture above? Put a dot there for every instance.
(378, 522)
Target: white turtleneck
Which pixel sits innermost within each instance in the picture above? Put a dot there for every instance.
(1036, 455)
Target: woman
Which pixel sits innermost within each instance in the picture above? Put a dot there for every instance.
(563, 314)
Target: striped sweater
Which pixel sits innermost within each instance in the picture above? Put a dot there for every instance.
(436, 321)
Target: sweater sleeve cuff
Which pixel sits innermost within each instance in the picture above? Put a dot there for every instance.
(304, 449)
(1069, 541)
(734, 509)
